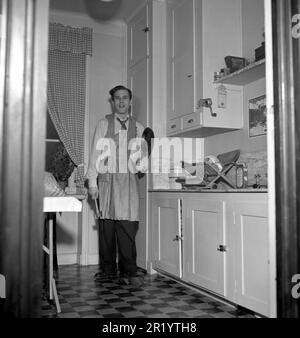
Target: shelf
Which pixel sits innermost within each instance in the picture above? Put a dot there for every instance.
(201, 131)
(252, 72)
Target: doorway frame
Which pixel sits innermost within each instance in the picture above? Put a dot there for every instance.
(23, 103)
(286, 84)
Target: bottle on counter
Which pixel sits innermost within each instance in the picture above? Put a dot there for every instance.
(241, 176)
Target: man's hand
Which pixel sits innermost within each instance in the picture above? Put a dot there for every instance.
(94, 193)
(142, 165)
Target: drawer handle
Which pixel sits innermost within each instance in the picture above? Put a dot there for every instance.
(191, 121)
(173, 126)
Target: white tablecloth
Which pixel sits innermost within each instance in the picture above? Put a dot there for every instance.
(60, 204)
(53, 205)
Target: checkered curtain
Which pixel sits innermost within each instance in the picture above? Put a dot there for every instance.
(68, 48)
(70, 39)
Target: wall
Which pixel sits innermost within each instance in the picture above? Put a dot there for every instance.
(239, 139)
(252, 13)
(77, 233)
(253, 149)
(253, 26)
(222, 36)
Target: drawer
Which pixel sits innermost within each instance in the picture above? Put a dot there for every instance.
(191, 120)
(174, 125)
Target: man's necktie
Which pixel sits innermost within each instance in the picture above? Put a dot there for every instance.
(123, 123)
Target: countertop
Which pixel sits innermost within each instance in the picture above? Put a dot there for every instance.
(203, 190)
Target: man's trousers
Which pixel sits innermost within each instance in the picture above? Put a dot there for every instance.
(118, 236)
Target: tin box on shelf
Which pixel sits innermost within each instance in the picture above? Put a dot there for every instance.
(260, 52)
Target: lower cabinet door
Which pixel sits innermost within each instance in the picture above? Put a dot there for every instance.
(251, 256)
(204, 243)
(167, 238)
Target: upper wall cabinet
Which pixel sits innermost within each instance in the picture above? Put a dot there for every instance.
(199, 34)
(182, 59)
(137, 37)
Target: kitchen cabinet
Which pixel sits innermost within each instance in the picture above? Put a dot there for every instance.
(139, 84)
(193, 55)
(218, 242)
(137, 41)
(138, 81)
(166, 234)
(251, 255)
(204, 242)
(183, 59)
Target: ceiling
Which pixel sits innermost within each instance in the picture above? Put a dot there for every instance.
(97, 9)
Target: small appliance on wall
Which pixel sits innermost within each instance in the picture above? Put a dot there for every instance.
(235, 63)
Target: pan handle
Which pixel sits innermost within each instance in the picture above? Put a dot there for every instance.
(98, 214)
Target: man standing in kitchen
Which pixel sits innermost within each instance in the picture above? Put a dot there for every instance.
(110, 162)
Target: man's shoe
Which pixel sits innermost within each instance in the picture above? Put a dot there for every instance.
(123, 280)
(100, 276)
(136, 281)
(105, 275)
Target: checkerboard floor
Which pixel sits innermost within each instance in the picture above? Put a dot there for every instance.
(82, 297)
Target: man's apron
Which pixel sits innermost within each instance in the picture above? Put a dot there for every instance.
(118, 192)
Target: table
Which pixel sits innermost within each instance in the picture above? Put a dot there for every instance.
(53, 205)
(2, 286)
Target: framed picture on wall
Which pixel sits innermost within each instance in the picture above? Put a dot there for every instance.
(257, 116)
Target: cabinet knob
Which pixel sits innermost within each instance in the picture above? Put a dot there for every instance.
(190, 75)
(177, 238)
(222, 248)
(146, 29)
(173, 126)
(191, 121)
